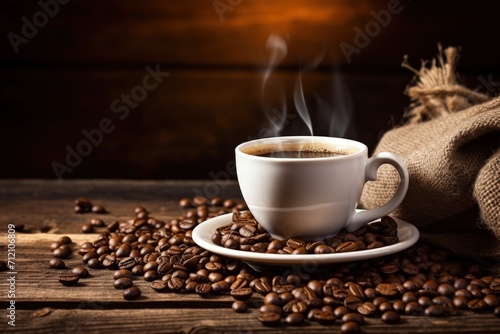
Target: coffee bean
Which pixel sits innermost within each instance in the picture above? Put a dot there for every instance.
(425, 301)
(239, 306)
(97, 208)
(411, 285)
(159, 286)
(94, 263)
(409, 296)
(272, 298)
(367, 309)
(176, 284)
(123, 283)
(477, 305)
(446, 290)
(340, 293)
(54, 245)
(324, 249)
(460, 302)
(189, 287)
(390, 317)
(229, 203)
(496, 312)
(441, 300)
(294, 306)
(430, 285)
(375, 244)
(269, 318)
(328, 308)
(295, 319)
(389, 268)
(97, 222)
(370, 293)
(216, 201)
(203, 289)
(389, 289)
(491, 300)
(123, 273)
(399, 306)
(385, 306)
(350, 327)
(354, 317)
(54, 264)
(414, 308)
(137, 270)
(220, 286)
(356, 290)
(312, 312)
(89, 255)
(61, 253)
(263, 287)
(307, 296)
(241, 293)
(348, 246)
(379, 300)
(324, 318)
(69, 279)
(81, 272)
(132, 293)
(64, 240)
(87, 228)
(127, 263)
(285, 297)
(410, 268)
(352, 302)
(434, 310)
(109, 261)
(283, 288)
(185, 203)
(271, 308)
(83, 205)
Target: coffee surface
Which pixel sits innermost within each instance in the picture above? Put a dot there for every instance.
(299, 150)
(302, 154)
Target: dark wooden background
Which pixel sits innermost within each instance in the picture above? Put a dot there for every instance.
(64, 79)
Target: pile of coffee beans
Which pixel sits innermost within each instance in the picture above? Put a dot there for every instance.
(420, 281)
(246, 234)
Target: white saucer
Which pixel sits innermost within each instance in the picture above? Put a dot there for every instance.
(408, 235)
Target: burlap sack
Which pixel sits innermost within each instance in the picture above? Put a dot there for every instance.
(451, 146)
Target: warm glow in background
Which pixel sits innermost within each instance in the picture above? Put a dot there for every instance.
(65, 78)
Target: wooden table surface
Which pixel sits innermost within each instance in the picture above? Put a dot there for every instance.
(43, 305)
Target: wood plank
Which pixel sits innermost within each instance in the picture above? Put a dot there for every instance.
(185, 320)
(190, 33)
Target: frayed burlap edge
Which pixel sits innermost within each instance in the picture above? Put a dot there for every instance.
(436, 91)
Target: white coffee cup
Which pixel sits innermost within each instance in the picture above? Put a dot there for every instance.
(311, 197)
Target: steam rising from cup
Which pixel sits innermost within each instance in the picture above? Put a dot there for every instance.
(275, 111)
(332, 113)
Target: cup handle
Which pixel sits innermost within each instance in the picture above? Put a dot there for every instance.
(361, 218)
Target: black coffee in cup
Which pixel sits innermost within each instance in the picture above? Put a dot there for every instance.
(299, 150)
